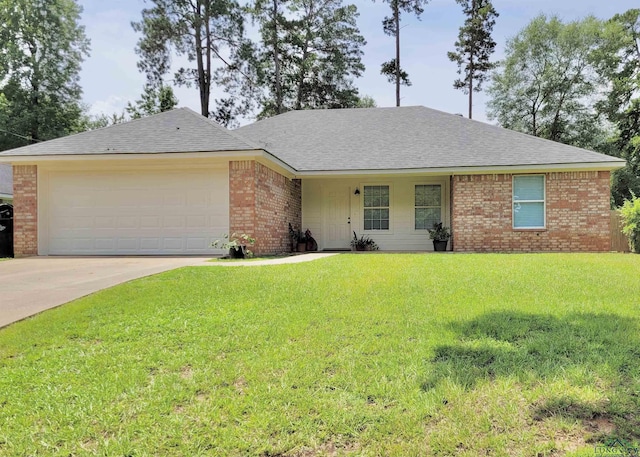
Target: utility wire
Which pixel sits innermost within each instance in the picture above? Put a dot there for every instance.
(20, 136)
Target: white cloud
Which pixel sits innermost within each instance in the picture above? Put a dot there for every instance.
(111, 105)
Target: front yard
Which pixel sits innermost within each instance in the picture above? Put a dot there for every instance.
(375, 355)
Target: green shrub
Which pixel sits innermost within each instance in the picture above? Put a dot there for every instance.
(630, 212)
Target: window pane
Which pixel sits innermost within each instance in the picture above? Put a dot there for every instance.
(528, 215)
(426, 217)
(384, 196)
(528, 188)
(376, 196)
(376, 219)
(368, 214)
(428, 195)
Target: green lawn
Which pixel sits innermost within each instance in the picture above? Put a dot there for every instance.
(373, 355)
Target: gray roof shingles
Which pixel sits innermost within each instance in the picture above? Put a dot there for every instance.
(402, 138)
(179, 130)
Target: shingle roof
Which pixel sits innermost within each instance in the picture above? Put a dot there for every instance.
(179, 130)
(331, 140)
(6, 179)
(403, 138)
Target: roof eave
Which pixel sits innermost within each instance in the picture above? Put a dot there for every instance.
(470, 170)
(126, 155)
(257, 154)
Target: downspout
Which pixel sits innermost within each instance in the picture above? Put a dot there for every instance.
(453, 237)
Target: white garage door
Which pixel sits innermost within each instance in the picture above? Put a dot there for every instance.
(137, 211)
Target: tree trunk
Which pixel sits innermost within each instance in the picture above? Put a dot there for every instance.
(276, 59)
(34, 130)
(203, 82)
(207, 74)
(396, 19)
(303, 67)
(471, 87)
(471, 67)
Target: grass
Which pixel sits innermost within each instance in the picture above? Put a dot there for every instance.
(378, 355)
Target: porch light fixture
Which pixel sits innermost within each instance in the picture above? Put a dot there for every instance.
(357, 192)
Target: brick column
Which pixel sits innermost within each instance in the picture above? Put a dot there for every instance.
(262, 203)
(25, 210)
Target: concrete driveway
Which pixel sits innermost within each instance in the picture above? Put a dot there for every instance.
(29, 286)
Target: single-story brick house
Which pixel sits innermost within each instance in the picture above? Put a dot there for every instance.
(173, 182)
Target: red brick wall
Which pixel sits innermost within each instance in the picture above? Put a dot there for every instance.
(25, 210)
(577, 211)
(262, 204)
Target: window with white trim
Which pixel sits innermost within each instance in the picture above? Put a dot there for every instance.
(529, 202)
(376, 207)
(428, 205)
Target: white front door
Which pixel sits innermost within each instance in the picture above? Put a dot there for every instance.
(337, 217)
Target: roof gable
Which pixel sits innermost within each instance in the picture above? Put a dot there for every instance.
(179, 130)
(403, 139)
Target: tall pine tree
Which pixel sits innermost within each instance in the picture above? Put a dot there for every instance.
(391, 26)
(474, 47)
(207, 32)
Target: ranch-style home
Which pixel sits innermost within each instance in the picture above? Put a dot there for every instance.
(172, 183)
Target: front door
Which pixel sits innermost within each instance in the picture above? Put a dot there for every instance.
(337, 220)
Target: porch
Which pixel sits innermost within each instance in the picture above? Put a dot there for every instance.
(394, 211)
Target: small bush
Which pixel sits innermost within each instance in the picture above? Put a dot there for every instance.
(630, 212)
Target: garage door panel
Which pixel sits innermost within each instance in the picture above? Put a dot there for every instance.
(141, 212)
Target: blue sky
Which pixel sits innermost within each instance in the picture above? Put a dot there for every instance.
(110, 77)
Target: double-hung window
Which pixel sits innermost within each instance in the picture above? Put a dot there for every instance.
(428, 206)
(376, 207)
(529, 202)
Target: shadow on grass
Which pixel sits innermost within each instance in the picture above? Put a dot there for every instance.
(584, 348)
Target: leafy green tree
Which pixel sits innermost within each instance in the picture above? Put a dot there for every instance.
(153, 100)
(547, 86)
(273, 23)
(42, 49)
(630, 212)
(474, 47)
(366, 101)
(93, 122)
(207, 32)
(391, 26)
(311, 50)
(618, 63)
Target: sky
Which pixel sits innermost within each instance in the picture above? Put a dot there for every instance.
(110, 77)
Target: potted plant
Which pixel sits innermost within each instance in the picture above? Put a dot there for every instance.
(301, 241)
(440, 236)
(364, 243)
(238, 245)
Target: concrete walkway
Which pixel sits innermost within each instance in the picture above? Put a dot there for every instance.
(35, 284)
(279, 261)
